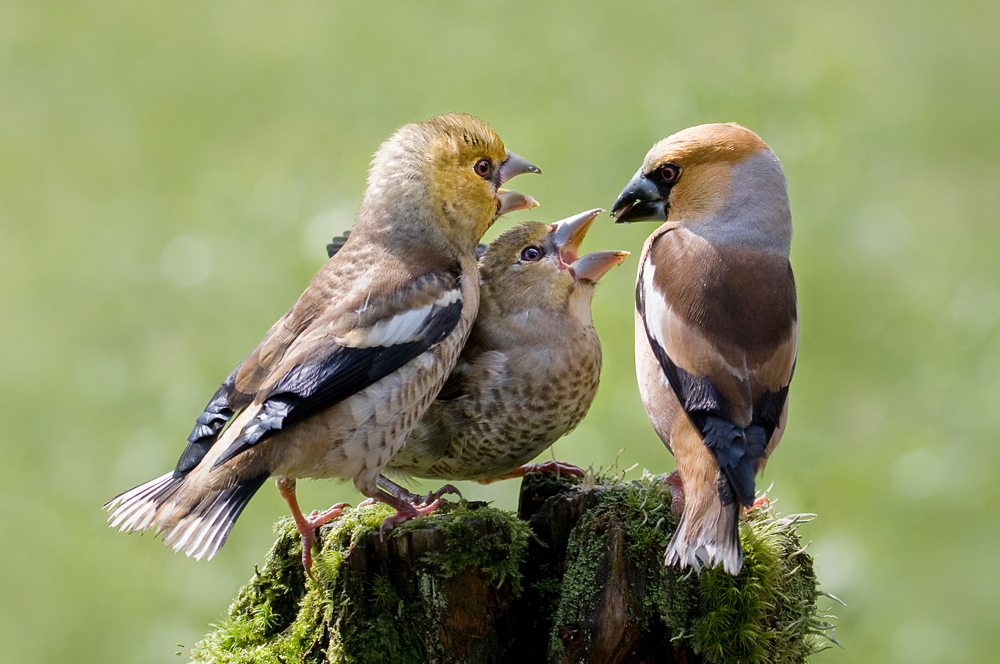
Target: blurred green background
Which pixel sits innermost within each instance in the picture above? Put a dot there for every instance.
(171, 172)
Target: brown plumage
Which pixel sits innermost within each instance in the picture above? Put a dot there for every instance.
(716, 323)
(530, 369)
(338, 382)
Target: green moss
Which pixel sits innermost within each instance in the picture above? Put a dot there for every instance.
(735, 623)
(766, 614)
(280, 616)
(277, 616)
(340, 536)
(641, 508)
(497, 554)
(264, 609)
(580, 589)
(376, 631)
(385, 625)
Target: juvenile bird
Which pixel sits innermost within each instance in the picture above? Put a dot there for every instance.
(716, 323)
(530, 368)
(340, 380)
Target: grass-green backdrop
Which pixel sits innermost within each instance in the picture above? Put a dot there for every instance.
(171, 171)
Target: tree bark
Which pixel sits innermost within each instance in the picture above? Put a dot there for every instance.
(576, 576)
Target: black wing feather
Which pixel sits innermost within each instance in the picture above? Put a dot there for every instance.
(314, 387)
(454, 387)
(337, 243)
(736, 450)
(220, 409)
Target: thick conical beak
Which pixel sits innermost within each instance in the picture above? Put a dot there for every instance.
(594, 266)
(570, 233)
(511, 201)
(514, 165)
(640, 200)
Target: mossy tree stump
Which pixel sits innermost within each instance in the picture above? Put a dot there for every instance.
(576, 576)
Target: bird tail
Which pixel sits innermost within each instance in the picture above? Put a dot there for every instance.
(192, 518)
(708, 533)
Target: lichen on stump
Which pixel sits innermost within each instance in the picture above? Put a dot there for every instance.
(576, 576)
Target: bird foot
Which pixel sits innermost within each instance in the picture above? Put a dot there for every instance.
(308, 532)
(307, 525)
(760, 502)
(560, 468)
(435, 496)
(401, 494)
(409, 511)
(676, 492)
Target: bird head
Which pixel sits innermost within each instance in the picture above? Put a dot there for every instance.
(712, 178)
(538, 266)
(453, 167)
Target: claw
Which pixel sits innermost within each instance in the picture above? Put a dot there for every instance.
(315, 520)
(402, 494)
(307, 525)
(436, 495)
(405, 514)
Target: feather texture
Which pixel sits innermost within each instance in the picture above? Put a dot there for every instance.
(337, 383)
(716, 323)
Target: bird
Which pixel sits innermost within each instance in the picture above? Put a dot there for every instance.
(530, 368)
(716, 323)
(337, 383)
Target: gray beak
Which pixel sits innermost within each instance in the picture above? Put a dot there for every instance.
(511, 201)
(592, 267)
(640, 200)
(570, 233)
(513, 166)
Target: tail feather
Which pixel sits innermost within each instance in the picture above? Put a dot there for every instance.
(707, 534)
(134, 509)
(195, 520)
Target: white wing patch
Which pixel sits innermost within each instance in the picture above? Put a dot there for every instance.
(406, 326)
(657, 313)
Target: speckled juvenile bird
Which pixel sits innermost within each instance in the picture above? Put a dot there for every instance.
(716, 323)
(340, 380)
(530, 368)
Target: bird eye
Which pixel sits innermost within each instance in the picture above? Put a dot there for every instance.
(668, 173)
(531, 253)
(483, 168)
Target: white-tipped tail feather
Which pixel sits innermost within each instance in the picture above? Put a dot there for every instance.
(196, 522)
(711, 537)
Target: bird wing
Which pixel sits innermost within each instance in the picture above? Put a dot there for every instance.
(326, 349)
(226, 402)
(722, 324)
(454, 386)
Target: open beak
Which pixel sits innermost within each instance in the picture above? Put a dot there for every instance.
(569, 235)
(511, 201)
(640, 200)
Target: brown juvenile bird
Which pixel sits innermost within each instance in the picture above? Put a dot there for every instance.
(338, 382)
(530, 368)
(716, 323)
